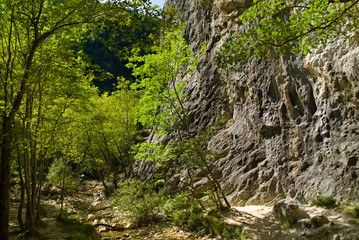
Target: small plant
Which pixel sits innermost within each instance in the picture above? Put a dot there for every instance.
(325, 201)
(177, 208)
(186, 213)
(140, 200)
(352, 210)
(286, 225)
(78, 230)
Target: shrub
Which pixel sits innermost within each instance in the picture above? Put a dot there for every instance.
(325, 201)
(146, 204)
(186, 213)
(140, 200)
(352, 210)
(286, 225)
(78, 230)
(59, 170)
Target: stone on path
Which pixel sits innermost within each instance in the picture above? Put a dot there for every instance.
(287, 211)
(91, 217)
(97, 206)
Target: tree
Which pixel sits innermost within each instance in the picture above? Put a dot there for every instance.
(26, 27)
(280, 26)
(106, 129)
(162, 107)
(161, 103)
(37, 122)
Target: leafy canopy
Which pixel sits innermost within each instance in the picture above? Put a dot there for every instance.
(161, 101)
(278, 26)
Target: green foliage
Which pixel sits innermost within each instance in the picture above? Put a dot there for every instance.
(142, 202)
(106, 129)
(177, 207)
(149, 151)
(60, 169)
(194, 152)
(351, 210)
(78, 230)
(145, 205)
(161, 102)
(286, 225)
(183, 211)
(195, 220)
(109, 44)
(278, 26)
(325, 201)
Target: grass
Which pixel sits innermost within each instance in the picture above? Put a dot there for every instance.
(78, 230)
(286, 225)
(188, 215)
(351, 210)
(325, 201)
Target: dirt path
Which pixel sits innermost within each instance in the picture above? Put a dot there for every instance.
(259, 221)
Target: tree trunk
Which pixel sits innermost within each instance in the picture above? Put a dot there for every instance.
(5, 178)
(62, 191)
(216, 183)
(22, 184)
(29, 168)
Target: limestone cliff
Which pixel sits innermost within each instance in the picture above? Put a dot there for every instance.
(292, 122)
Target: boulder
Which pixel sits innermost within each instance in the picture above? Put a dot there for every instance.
(71, 211)
(318, 233)
(314, 222)
(130, 225)
(97, 206)
(91, 217)
(318, 221)
(102, 229)
(118, 226)
(287, 211)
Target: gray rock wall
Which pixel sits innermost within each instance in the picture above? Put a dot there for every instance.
(292, 123)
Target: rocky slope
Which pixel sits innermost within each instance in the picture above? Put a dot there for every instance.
(292, 123)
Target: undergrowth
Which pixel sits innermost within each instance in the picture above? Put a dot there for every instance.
(351, 210)
(78, 230)
(141, 201)
(146, 204)
(286, 225)
(325, 201)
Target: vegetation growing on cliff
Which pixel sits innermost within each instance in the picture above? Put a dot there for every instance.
(272, 27)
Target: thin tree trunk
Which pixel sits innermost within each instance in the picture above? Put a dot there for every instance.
(122, 160)
(62, 191)
(22, 189)
(193, 190)
(218, 185)
(5, 178)
(29, 167)
(6, 149)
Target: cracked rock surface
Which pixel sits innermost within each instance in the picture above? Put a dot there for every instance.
(292, 122)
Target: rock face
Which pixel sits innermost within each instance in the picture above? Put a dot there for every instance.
(292, 122)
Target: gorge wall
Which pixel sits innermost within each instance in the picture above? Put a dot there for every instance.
(292, 122)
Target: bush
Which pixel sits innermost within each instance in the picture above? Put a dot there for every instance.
(286, 225)
(352, 210)
(57, 171)
(187, 214)
(146, 204)
(177, 208)
(78, 230)
(325, 201)
(140, 200)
